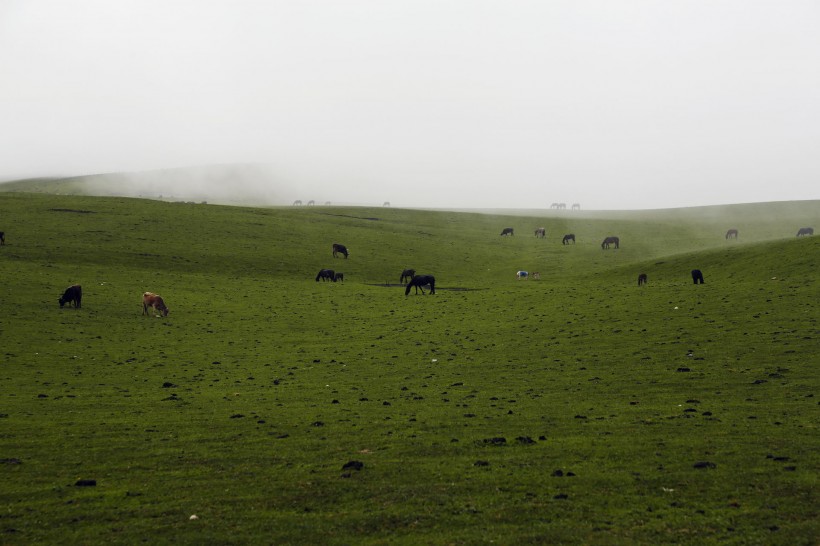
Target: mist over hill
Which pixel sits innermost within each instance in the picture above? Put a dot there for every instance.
(246, 184)
(263, 185)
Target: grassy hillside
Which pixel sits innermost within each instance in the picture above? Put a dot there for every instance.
(579, 408)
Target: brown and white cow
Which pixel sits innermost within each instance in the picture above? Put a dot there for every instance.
(149, 299)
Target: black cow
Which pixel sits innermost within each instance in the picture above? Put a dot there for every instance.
(326, 275)
(73, 295)
(339, 249)
(697, 276)
(420, 281)
(507, 231)
(567, 238)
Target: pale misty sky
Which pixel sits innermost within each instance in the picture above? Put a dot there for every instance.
(614, 104)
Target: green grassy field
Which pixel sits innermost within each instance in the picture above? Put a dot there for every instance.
(578, 408)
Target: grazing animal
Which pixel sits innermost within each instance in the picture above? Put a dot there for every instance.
(641, 279)
(73, 295)
(338, 277)
(805, 231)
(507, 231)
(420, 281)
(522, 275)
(536, 275)
(576, 206)
(326, 275)
(611, 241)
(731, 234)
(150, 299)
(2, 237)
(386, 204)
(541, 232)
(407, 274)
(567, 238)
(339, 249)
(297, 203)
(311, 203)
(697, 276)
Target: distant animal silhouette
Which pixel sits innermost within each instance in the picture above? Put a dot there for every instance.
(73, 295)
(2, 237)
(507, 231)
(386, 204)
(541, 232)
(149, 299)
(642, 279)
(576, 206)
(805, 231)
(522, 275)
(407, 274)
(297, 202)
(419, 282)
(339, 249)
(311, 203)
(339, 277)
(567, 238)
(326, 275)
(611, 241)
(731, 234)
(697, 276)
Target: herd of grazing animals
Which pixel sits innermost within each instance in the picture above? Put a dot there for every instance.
(73, 295)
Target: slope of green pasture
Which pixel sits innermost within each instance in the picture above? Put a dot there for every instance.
(573, 409)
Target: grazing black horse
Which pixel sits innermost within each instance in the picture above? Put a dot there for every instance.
(541, 232)
(697, 276)
(420, 281)
(731, 234)
(611, 241)
(339, 249)
(641, 279)
(507, 231)
(567, 238)
(326, 275)
(407, 274)
(338, 277)
(805, 231)
(73, 295)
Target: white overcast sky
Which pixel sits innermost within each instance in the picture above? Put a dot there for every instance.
(614, 104)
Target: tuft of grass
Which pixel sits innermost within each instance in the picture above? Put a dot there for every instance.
(580, 408)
